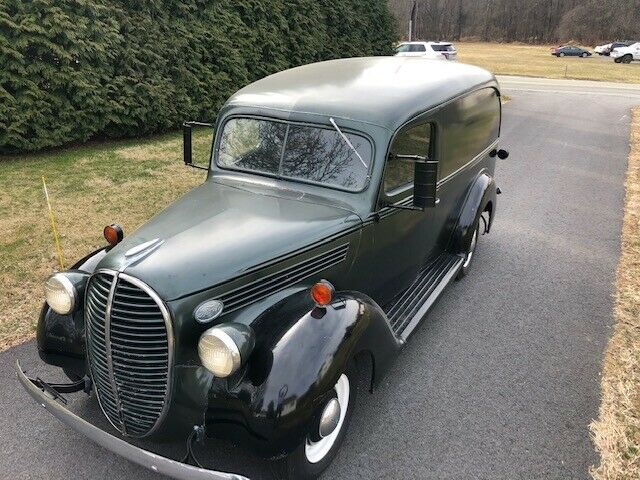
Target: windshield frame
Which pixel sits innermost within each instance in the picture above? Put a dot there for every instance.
(359, 133)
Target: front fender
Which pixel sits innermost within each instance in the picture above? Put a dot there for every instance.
(300, 353)
(481, 195)
(60, 338)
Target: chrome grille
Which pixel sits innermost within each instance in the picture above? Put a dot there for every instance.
(130, 351)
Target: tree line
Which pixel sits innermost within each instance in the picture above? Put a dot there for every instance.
(72, 70)
(530, 21)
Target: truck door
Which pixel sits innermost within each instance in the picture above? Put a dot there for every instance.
(404, 239)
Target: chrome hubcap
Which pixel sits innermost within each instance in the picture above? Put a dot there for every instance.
(316, 451)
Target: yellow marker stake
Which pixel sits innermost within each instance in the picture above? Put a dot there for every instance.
(52, 218)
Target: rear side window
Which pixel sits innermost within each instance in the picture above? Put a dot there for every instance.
(471, 124)
(442, 48)
(415, 140)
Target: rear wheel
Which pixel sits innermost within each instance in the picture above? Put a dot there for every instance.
(627, 58)
(316, 452)
(585, 54)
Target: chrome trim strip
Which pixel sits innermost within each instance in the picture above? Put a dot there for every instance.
(170, 345)
(90, 349)
(144, 458)
(140, 252)
(138, 249)
(107, 346)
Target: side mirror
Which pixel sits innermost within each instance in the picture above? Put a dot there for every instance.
(187, 143)
(186, 140)
(425, 184)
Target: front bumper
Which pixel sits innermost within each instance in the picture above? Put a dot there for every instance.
(157, 463)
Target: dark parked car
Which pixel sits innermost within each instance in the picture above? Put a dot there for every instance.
(570, 51)
(341, 198)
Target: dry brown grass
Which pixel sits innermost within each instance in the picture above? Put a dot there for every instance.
(537, 61)
(616, 433)
(91, 186)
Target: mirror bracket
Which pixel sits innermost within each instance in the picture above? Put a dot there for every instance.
(410, 158)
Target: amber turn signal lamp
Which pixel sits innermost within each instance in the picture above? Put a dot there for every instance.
(322, 293)
(113, 234)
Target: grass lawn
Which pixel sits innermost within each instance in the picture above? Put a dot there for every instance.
(537, 61)
(123, 182)
(616, 433)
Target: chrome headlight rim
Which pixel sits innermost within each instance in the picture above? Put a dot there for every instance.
(238, 341)
(69, 289)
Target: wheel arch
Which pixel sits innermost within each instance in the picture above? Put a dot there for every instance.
(481, 197)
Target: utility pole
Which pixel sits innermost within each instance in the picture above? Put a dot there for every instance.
(412, 20)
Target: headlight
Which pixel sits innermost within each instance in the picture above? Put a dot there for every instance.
(224, 348)
(60, 293)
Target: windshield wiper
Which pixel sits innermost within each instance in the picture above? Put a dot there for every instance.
(346, 140)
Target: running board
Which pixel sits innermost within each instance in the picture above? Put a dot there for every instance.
(408, 309)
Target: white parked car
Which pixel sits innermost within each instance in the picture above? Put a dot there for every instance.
(606, 49)
(626, 54)
(435, 50)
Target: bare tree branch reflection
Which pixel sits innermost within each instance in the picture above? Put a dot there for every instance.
(311, 153)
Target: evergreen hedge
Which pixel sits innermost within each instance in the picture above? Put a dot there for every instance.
(71, 70)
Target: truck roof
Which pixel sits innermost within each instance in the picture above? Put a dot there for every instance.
(384, 91)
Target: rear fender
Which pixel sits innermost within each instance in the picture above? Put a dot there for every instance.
(481, 196)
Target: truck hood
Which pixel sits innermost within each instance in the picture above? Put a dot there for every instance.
(216, 232)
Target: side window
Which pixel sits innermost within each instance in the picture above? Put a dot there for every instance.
(471, 124)
(417, 48)
(415, 140)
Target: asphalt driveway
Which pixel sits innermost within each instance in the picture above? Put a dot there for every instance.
(502, 379)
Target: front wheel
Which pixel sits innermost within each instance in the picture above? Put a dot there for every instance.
(627, 59)
(585, 55)
(561, 54)
(318, 449)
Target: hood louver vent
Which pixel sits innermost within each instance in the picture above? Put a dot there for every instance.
(266, 285)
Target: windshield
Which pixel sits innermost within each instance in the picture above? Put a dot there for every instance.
(297, 152)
